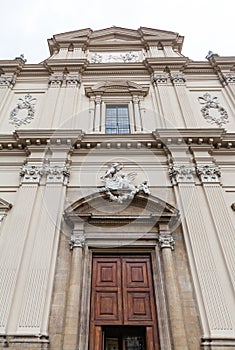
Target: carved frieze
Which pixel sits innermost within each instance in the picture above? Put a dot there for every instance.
(24, 111)
(125, 57)
(212, 111)
(166, 241)
(7, 81)
(208, 173)
(181, 173)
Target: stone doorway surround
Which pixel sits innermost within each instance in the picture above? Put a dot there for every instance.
(143, 225)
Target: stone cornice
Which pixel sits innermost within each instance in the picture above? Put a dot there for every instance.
(213, 139)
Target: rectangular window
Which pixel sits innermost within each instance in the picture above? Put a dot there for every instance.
(117, 119)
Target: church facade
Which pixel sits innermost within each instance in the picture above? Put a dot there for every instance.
(117, 195)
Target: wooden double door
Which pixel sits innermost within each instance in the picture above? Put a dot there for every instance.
(123, 313)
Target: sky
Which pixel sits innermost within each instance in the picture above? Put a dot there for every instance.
(207, 25)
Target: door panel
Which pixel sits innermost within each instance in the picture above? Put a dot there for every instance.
(122, 297)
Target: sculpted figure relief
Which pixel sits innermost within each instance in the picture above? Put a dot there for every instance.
(115, 180)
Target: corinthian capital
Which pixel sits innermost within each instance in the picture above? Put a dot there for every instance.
(208, 173)
(57, 174)
(31, 173)
(181, 173)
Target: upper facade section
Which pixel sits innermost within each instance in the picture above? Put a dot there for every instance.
(115, 44)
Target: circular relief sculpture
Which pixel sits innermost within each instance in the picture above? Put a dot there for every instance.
(24, 111)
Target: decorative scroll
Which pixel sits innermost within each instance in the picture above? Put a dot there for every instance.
(24, 111)
(212, 111)
(119, 186)
(178, 78)
(7, 81)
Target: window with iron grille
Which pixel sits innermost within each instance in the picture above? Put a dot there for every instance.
(117, 119)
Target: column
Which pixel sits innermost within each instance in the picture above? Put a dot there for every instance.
(72, 321)
(137, 118)
(97, 122)
(166, 243)
(178, 80)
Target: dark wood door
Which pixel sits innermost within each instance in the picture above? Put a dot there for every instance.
(122, 295)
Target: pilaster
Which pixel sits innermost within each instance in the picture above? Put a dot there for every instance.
(160, 83)
(179, 80)
(213, 299)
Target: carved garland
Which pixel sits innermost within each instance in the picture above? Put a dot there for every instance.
(212, 103)
(23, 104)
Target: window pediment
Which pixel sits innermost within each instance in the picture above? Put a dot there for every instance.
(116, 88)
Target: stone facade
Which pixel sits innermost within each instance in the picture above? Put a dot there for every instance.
(70, 189)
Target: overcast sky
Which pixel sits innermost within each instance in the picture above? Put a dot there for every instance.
(206, 25)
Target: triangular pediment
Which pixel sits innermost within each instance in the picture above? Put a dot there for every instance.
(115, 36)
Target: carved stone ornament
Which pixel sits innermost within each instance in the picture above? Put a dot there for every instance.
(119, 186)
(208, 173)
(77, 241)
(56, 80)
(229, 77)
(24, 111)
(212, 111)
(73, 80)
(166, 241)
(7, 81)
(31, 173)
(159, 78)
(181, 173)
(125, 57)
(57, 174)
(178, 78)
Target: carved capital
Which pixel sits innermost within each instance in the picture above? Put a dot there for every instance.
(73, 80)
(166, 241)
(31, 173)
(159, 79)
(208, 173)
(229, 78)
(57, 174)
(77, 240)
(56, 80)
(178, 79)
(181, 173)
(24, 111)
(98, 100)
(7, 81)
